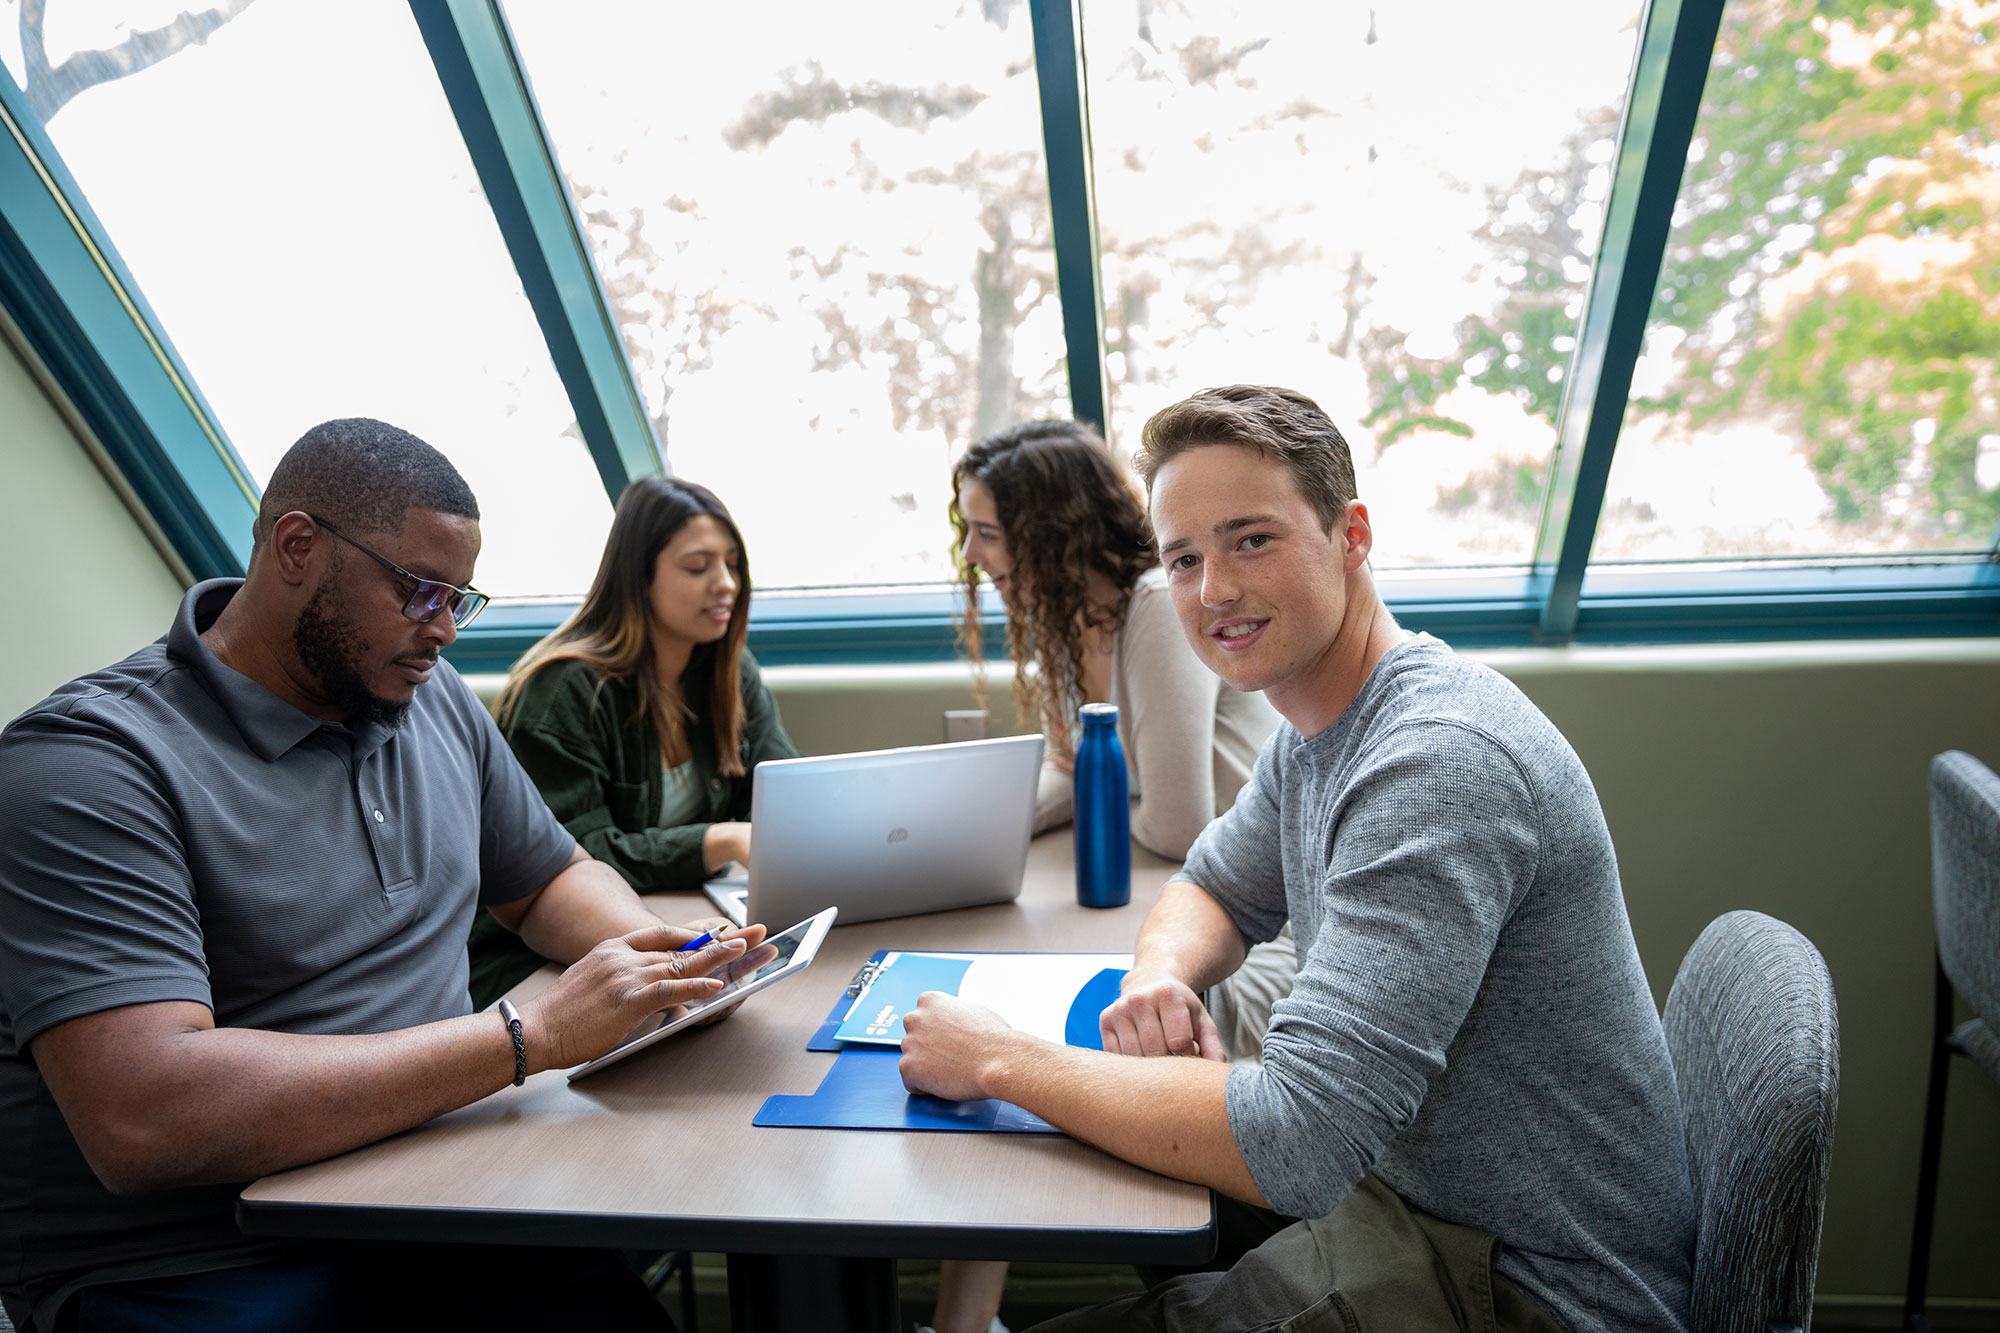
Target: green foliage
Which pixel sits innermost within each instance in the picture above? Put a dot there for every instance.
(1759, 167)
(1405, 425)
(1404, 390)
(1523, 357)
(1932, 358)
(1788, 139)
(1891, 370)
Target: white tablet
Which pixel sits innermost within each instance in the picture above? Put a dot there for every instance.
(758, 968)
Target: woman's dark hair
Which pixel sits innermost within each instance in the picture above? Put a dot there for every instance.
(1067, 508)
(612, 630)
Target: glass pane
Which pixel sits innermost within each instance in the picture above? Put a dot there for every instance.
(1392, 208)
(292, 195)
(824, 229)
(1819, 370)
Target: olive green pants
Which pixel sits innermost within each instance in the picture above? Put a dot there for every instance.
(1372, 1265)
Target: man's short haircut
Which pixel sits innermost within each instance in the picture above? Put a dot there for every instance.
(1278, 423)
(361, 474)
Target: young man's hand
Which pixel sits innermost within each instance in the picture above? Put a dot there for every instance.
(1159, 1016)
(949, 1045)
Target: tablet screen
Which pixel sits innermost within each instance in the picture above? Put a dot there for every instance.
(746, 971)
(779, 956)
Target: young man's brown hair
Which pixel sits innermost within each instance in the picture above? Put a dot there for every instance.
(1278, 423)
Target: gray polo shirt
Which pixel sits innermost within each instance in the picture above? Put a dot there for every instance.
(171, 830)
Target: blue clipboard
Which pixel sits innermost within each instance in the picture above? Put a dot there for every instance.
(864, 1089)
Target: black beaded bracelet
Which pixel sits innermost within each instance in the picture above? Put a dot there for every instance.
(513, 1017)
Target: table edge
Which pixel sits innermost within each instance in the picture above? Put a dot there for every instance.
(836, 1238)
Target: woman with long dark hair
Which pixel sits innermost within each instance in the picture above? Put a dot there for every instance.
(641, 718)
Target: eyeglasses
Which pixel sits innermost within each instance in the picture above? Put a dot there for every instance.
(430, 596)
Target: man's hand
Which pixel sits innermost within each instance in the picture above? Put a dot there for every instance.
(1159, 1016)
(755, 957)
(946, 1045)
(618, 985)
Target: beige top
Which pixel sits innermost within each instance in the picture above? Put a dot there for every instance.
(1190, 740)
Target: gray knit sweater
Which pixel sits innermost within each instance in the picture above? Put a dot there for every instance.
(1470, 1020)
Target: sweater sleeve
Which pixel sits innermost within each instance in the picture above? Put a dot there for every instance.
(1168, 711)
(1431, 847)
(1238, 859)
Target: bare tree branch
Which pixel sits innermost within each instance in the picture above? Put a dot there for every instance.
(50, 89)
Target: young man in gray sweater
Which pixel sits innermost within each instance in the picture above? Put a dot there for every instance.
(1465, 1116)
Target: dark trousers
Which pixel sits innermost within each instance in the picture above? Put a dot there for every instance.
(1373, 1265)
(383, 1287)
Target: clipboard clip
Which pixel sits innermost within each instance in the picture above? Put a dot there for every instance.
(863, 977)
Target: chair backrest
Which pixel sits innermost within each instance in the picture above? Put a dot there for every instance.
(1965, 878)
(1755, 1040)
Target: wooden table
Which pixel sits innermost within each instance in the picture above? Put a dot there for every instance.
(658, 1152)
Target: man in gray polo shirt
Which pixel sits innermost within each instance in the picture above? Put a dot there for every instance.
(1470, 1050)
(237, 871)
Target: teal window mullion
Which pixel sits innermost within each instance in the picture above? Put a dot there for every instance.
(481, 73)
(1677, 40)
(82, 312)
(1059, 74)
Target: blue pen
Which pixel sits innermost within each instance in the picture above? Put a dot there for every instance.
(702, 941)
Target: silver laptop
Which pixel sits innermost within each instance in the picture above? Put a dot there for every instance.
(887, 832)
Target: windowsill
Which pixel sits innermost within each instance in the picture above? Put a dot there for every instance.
(1808, 602)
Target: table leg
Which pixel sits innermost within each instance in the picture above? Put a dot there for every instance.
(803, 1293)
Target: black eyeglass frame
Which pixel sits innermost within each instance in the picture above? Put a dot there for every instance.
(464, 603)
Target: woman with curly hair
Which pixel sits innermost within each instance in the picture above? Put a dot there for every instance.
(1045, 513)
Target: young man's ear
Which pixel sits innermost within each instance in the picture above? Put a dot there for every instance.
(1357, 536)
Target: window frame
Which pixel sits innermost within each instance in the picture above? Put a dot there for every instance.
(80, 311)
(63, 283)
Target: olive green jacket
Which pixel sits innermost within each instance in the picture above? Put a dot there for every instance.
(596, 759)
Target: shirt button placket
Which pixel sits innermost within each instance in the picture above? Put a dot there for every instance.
(376, 821)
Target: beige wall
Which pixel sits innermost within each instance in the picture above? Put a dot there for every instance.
(83, 586)
(1794, 781)
(1790, 779)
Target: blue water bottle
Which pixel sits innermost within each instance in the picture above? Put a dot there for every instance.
(1103, 811)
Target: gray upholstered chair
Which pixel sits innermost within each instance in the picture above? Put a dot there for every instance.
(1965, 897)
(1755, 1040)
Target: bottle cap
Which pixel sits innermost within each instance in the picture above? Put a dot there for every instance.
(1100, 714)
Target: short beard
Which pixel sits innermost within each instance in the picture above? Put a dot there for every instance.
(325, 644)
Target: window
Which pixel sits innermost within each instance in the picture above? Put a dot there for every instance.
(1392, 208)
(828, 253)
(316, 245)
(1819, 370)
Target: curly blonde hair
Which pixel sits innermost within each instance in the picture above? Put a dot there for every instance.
(1067, 508)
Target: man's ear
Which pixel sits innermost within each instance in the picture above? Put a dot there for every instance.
(290, 544)
(1358, 534)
